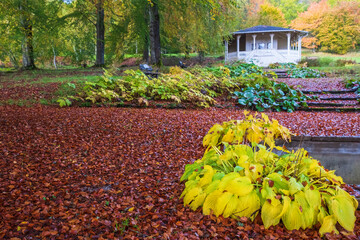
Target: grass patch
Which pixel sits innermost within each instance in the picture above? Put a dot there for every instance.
(355, 56)
(19, 102)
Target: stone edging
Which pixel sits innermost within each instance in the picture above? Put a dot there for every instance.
(326, 139)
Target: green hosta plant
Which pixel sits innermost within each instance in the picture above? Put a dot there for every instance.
(242, 175)
(270, 95)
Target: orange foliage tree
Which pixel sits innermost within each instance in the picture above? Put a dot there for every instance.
(334, 29)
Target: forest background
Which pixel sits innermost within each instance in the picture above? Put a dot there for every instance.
(53, 33)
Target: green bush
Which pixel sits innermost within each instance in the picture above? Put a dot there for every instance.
(266, 95)
(310, 62)
(244, 69)
(240, 175)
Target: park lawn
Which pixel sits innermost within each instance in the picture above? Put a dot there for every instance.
(355, 56)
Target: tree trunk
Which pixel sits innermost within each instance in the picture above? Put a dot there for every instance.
(146, 50)
(54, 59)
(13, 59)
(155, 34)
(27, 45)
(100, 34)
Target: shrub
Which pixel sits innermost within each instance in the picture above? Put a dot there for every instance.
(268, 95)
(244, 69)
(239, 175)
(310, 62)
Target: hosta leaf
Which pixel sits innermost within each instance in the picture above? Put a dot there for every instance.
(189, 168)
(313, 197)
(210, 202)
(240, 186)
(270, 213)
(279, 181)
(322, 214)
(308, 213)
(292, 218)
(208, 176)
(226, 179)
(222, 202)
(328, 225)
(212, 186)
(343, 211)
(199, 200)
(248, 206)
(218, 176)
(229, 136)
(188, 186)
(191, 195)
(231, 206)
(295, 186)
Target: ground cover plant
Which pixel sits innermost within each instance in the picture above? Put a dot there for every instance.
(114, 172)
(239, 175)
(263, 94)
(298, 71)
(198, 86)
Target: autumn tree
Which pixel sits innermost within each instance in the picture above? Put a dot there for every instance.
(310, 21)
(334, 29)
(290, 8)
(267, 15)
(340, 28)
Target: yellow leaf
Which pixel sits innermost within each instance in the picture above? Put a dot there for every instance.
(229, 136)
(240, 186)
(131, 209)
(231, 206)
(308, 213)
(270, 213)
(292, 219)
(199, 200)
(248, 206)
(343, 211)
(212, 186)
(210, 202)
(207, 178)
(222, 202)
(313, 197)
(191, 195)
(328, 225)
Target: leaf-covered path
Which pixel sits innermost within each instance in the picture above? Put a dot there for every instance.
(112, 172)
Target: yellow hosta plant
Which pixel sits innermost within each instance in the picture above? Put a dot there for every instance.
(243, 173)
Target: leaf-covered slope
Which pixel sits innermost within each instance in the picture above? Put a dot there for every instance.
(108, 172)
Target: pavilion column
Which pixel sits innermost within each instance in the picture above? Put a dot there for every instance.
(272, 41)
(226, 51)
(238, 46)
(288, 43)
(254, 41)
(299, 47)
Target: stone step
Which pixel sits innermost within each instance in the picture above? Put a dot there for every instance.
(323, 104)
(329, 91)
(331, 109)
(339, 98)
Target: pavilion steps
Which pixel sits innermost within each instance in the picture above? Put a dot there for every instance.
(281, 73)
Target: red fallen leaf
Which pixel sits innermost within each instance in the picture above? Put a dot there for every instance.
(107, 223)
(74, 230)
(271, 183)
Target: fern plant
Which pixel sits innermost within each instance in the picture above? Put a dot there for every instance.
(241, 175)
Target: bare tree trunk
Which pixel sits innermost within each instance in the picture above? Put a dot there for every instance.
(100, 34)
(54, 60)
(155, 34)
(27, 45)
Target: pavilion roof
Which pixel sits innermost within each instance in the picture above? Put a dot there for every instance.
(264, 28)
